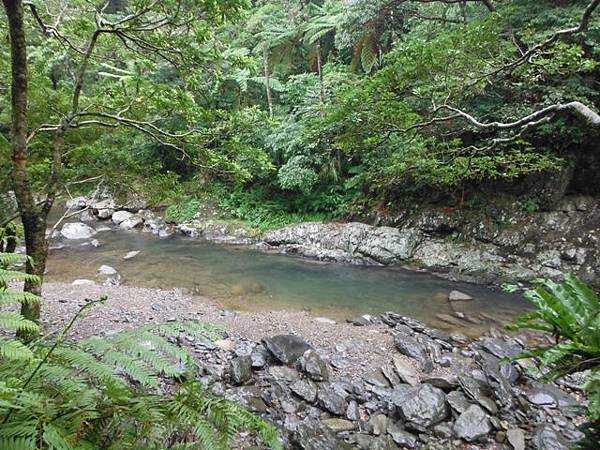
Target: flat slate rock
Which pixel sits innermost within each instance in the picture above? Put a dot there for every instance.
(286, 348)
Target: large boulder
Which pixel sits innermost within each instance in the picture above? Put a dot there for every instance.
(77, 230)
(121, 216)
(131, 222)
(76, 203)
(286, 348)
(473, 424)
(104, 209)
(422, 406)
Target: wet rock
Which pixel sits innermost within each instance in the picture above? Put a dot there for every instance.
(338, 425)
(423, 406)
(107, 270)
(240, 369)
(548, 437)
(305, 389)
(516, 438)
(77, 230)
(286, 348)
(458, 296)
(331, 400)
(131, 255)
(472, 424)
(95, 243)
(401, 437)
(312, 364)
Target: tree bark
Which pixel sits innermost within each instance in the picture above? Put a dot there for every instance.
(34, 223)
(268, 79)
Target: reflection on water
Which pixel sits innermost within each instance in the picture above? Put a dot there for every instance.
(250, 280)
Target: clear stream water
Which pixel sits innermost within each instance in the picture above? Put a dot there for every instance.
(246, 279)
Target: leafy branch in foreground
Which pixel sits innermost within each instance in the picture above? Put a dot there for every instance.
(571, 313)
(110, 393)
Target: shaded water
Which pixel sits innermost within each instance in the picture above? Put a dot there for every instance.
(246, 279)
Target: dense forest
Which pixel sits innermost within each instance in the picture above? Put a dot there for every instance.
(292, 109)
(278, 112)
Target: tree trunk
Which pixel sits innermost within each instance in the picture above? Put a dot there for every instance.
(34, 223)
(268, 79)
(320, 70)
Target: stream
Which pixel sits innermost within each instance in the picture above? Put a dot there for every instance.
(240, 278)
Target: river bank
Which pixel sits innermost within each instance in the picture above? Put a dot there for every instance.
(391, 383)
(485, 246)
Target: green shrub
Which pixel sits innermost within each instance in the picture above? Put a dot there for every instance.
(134, 390)
(571, 313)
(183, 211)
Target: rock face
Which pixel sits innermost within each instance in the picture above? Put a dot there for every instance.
(495, 246)
(286, 348)
(77, 231)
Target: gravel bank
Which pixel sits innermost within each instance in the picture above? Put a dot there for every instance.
(129, 307)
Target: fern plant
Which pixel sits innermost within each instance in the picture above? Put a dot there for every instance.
(571, 313)
(134, 390)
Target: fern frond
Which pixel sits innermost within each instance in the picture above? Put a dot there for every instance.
(10, 320)
(14, 350)
(17, 444)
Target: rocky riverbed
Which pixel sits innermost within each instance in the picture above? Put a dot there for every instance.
(385, 382)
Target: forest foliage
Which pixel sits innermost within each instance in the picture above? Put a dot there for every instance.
(299, 109)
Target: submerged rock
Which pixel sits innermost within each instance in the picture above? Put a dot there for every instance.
(458, 296)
